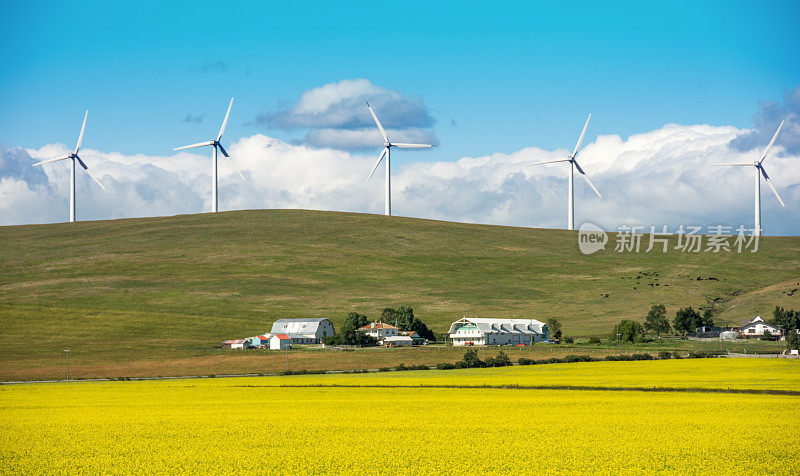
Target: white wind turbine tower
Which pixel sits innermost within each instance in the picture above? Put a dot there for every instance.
(216, 145)
(74, 157)
(387, 146)
(573, 164)
(758, 164)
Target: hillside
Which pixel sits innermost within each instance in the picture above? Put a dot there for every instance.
(127, 289)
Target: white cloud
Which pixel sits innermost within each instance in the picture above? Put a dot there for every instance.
(336, 115)
(659, 177)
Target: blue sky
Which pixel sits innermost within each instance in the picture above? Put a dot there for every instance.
(496, 77)
(486, 81)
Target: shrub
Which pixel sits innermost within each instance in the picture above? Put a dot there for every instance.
(471, 359)
(384, 369)
(445, 366)
(502, 360)
(664, 355)
(642, 357)
(569, 340)
(400, 367)
(676, 355)
(594, 340)
(419, 367)
(525, 361)
(577, 358)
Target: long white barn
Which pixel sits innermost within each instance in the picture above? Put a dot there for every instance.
(485, 331)
(304, 330)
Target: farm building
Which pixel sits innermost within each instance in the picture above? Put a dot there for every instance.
(280, 342)
(259, 341)
(415, 338)
(304, 330)
(756, 327)
(236, 344)
(484, 331)
(397, 341)
(379, 330)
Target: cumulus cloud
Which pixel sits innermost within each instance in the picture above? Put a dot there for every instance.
(335, 115)
(658, 177)
(767, 119)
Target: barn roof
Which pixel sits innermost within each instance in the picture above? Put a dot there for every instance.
(298, 326)
(501, 326)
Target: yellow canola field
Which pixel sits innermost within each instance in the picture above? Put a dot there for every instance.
(718, 373)
(238, 425)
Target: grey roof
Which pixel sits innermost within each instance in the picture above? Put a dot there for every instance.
(298, 326)
(505, 326)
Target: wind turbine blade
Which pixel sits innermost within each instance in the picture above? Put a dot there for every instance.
(225, 122)
(50, 160)
(578, 167)
(404, 145)
(738, 164)
(766, 151)
(548, 162)
(90, 174)
(83, 129)
(199, 144)
(235, 167)
(591, 184)
(378, 123)
(222, 149)
(769, 182)
(380, 157)
(580, 140)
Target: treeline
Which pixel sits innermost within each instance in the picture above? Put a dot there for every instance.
(403, 318)
(686, 320)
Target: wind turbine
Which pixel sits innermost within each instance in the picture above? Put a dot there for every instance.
(387, 151)
(573, 164)
(74, 157)
(216, 145)
(758, 164)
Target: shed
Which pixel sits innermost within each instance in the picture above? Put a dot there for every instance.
(280, 342)
(397, 341)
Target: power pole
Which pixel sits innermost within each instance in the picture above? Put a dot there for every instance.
(287, 356)
(67, 352)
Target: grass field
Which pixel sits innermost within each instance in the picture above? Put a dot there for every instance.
(155, 295)
(243, 425)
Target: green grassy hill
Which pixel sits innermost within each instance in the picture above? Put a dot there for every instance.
(128, 289)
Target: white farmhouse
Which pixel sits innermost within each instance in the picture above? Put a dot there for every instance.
(379, 330)
(304, 330)
(756, 328)
(484, 331)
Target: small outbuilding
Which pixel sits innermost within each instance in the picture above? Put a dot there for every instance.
(280, 342)
(397, 341)
(236, 344)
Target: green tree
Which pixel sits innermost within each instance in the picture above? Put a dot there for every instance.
(471, 359)
(629, 330)
(403, 317)
(789, 321)
(708, 319)
(349, 329)
(555, 328)
(656, 320)
(687, 320)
